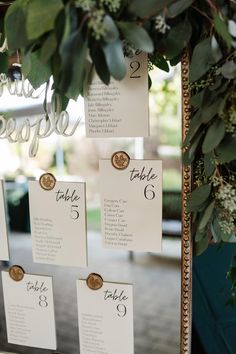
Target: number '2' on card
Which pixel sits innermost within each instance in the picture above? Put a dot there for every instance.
(105, 318)
(131, 201)
(58, 224)
(29, 309)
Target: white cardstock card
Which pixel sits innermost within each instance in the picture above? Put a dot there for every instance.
(4, 247)
(105, 318)
(58, 224)
(29, 310)
(121, 108)
(131, 202)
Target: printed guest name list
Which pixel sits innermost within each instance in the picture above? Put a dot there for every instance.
(131, 202)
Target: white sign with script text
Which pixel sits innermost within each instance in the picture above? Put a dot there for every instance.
(105, 318)
(121, 108)
(131, 202)
(29, 309)
(58, 224)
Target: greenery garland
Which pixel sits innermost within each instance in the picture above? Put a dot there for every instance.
(67, 39)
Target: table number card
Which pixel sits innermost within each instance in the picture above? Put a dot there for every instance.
(58, 224)
(4, 247)
(131, 202)
(121, 108)
(105, 318)
(29, 310)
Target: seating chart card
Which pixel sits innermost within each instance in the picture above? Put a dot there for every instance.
(29, 310)
(131, 205)
(58, 223)
(121, 108)
(105, 318)
(4, 247)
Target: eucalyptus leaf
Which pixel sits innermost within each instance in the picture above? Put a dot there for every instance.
(48, 48)
(215, 229)
(40, 72)
(112, 32)
(178, 7)
(200, 247)
(198, 197)
(215, 50)
(73, 52)
(115, 59)
(196, 100)
(195, 124)
(26, 64)
(229, 70)
(226, 151)
(214, 136)
(99, 60)
(137, 36)
(41, 15)
(229, 238)
(159, 61)
(189, 155)
(200, 234)
(202, 59)
(148, 8)
(15, 25)
(209, 164)
(211, 109)
(177, 38)
(222, 29)
(206, 216)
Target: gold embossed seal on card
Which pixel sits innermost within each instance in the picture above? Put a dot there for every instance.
(120, 160)
(16, 272)
(94, 281)
(47, 181)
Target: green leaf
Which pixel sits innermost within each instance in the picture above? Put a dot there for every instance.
(195, 124)
(15, 25)
(100, 64)
(222, 29)
(215, 49)
(201, 246)
(202, 59)
(210, 109)
(178, 7)
(228, 70)
(137, 36)
(26, 64)
(48, 47)
(209, 164)
(159, 61)
(148, 8)
(177, 38)
(196, 100)
(226, 151)
(112, 32)
(115, 59)
(189, 155)
(206, 216)
(41, 15)
(215, 230)
(73, 51)
(229, 238)
(198, 197)
(40, 72)
(3, 63)
(214, 135)
(200, 234)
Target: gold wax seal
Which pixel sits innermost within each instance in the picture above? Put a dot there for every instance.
(47, 181)
(120, 160)
(94, 281)
(16, 273)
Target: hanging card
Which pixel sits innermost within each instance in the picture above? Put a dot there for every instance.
(121, 108)
(131, 202)
(29, 310)
(4, 247)
(105, 318)
(58, 224)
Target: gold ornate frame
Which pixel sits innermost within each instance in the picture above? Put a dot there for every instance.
(186, 269)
